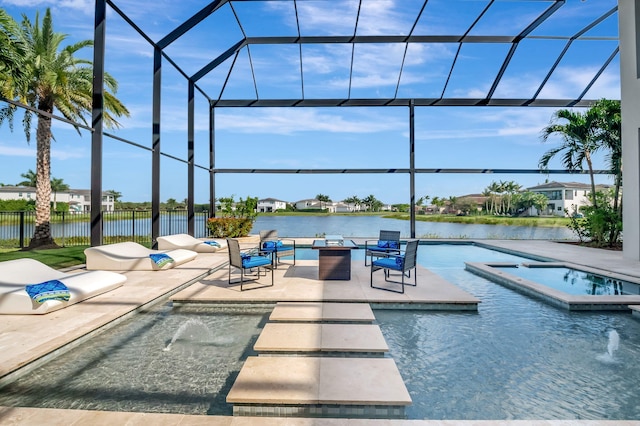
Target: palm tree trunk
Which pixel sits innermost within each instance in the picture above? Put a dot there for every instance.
(42, 233)
(593, 183)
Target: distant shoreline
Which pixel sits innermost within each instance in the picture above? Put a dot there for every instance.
(547, 222)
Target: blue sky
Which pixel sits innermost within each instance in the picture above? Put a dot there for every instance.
(446, 137)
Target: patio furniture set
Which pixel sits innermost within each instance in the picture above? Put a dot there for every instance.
(28, 286)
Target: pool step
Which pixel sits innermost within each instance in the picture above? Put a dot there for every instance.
(335, 339)
(322, 312)
(319, 386)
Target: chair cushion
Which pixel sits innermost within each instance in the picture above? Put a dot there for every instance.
(388, 244)
(255, 261)
(389, 263)
(269, 245)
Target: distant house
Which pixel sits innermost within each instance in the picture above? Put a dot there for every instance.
(79, 200)
(310, 204)
(470, 200)
(341, 207)
(565, 195)
(268, 205)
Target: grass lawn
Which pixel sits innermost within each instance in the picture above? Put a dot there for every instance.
(63, 257)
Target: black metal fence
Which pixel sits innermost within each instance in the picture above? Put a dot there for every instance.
(72, 229)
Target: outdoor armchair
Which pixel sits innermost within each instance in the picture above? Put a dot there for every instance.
(387, 243)
(403, 263)
(246, 262)
(272, 245)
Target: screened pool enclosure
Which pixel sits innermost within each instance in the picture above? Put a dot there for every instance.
(403, 59)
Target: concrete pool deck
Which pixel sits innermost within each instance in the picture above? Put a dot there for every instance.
(22, 341)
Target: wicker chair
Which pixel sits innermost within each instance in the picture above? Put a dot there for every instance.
(402, 263)
(387, 243)
(246, 262)
(272, 245)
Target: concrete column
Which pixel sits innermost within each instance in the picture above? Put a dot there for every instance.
(629, 21)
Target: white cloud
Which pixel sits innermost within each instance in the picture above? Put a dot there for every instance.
(29, 151)
(16, 151)
(288, 121)
(520, 125)
(569, 82)
(67, 153)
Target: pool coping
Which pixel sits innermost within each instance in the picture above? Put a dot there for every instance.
(556, 297)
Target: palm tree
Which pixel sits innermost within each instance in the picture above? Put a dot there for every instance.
(323, 199)
(30, 179)
(12, 51)
(116, 195)
(511, 188)
(487, 202)
(494, 189)
(609, 123)
(55, 79)
(57, 185)
(171, 204)
(354, 200)
(370, 201)
(438, 202)
(579, 142)
(453, 200)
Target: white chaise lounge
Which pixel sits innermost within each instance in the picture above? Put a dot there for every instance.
(130, 256)
(15, 275)
(187, 242)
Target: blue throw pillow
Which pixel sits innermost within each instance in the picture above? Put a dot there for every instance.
(48, 290)
(279, 244)
(383, 244)
(393, 244)
(161, 260)
(269, 245)
(213, 243)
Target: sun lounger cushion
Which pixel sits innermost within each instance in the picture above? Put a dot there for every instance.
(17, 275)
(48, 290)
(130, 256)
(187, 242)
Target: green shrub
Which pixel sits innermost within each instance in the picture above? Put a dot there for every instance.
(17, 205)
(601, 226)
(237, 218)
(220, 227)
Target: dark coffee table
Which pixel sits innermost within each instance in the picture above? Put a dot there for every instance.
(334, 259)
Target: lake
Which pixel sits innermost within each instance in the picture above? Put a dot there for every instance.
(302, 226)
(370, 226)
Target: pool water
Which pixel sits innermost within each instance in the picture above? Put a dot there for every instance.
(573, 281)
(181, 360)
(516, 358)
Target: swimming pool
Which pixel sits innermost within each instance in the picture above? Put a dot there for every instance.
(574, 281)
(516, 358)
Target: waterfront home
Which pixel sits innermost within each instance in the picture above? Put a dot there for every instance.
(569, 196)
(269, 205)
(79, 200)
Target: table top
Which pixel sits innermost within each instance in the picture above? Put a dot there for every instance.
(322, 244)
